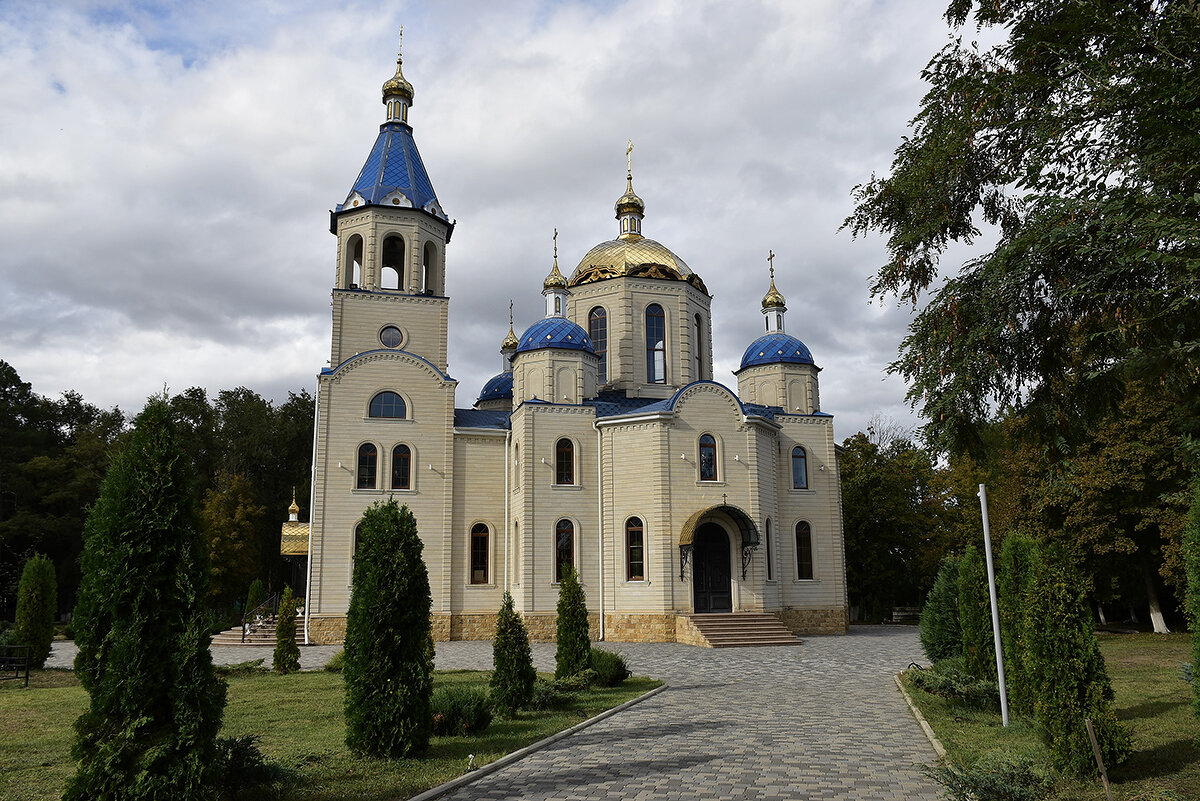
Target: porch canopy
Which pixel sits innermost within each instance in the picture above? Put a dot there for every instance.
(745, 525)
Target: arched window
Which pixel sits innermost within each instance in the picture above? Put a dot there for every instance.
(368, 458)
(352, 270)
(479, 553)
(392, 263)
(401, 467)
(598, 331)
(804, 551)
(357, 540)
(635, 550)
(799, 468)
(698, 345)
(564, 462)
(516, 476)
(515, 553)
(770, 553)
(431, 269)
(656, 345)
(708, 458)
(388, 404)
(564, 548)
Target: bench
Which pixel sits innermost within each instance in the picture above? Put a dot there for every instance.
(14, 662)
(906, 614)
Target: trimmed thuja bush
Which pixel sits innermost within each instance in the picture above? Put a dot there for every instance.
(941, 636)
(388, 662)
(255, 596)
(287, 653)
(572, 656)
(1066, 669)
(512, 660)
(1012, 588)
(150, 728)
(1191, 556)
(37, 601)
(975, 616)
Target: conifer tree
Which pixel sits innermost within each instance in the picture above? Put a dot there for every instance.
(155, 703)
(1013, 586)
(513, 674)
(1191, 555)
(287, 653)
(940, 633)
(37, 601)
(387, 664)
(573, 654)
(255, 595)
(975, 616)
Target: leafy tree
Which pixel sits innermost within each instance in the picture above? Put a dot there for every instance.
(1017, 557)
(1191, 550)
(1075, 137)
(975, 615)
(37, 601)
(387, 664)
(513, 674)
(287, 653)
(156, 704)
(255, 595)
(573, 652)
(940, 632)
(229, 517)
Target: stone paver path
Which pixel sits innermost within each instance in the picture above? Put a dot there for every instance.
(820, 721)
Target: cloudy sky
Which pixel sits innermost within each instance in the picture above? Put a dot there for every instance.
(167, 168)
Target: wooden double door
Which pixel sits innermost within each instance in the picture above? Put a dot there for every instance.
(712, 584)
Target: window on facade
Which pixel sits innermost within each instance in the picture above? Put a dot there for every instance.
(799, 468)
(357, 540)
(401, 467)
(368, 459)
(656, 345)
(804, 552)
(598, 331)
(564, 548)
(430, 259)
(699, 348)
(479, 553)
(708, 458)
(353, 268)
(564, 462)
(635, 550)
(770, 553)
(392, 263)
(388, 404)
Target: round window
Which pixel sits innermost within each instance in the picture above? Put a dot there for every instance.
(391, 337)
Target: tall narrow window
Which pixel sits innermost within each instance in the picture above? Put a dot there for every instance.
(770, 553)
(564, 548)
(368, 458)
(479, 553)
(431, 271)
(516, 478)
(635, 550)
(401, 467)
(387, 404)
(708, 458)
(564, 462)
(392, 263)
(804, 552)
(799, 468)
(357, 540)
(353, 266)
(656, 345)
(698, 346)
(598, 330)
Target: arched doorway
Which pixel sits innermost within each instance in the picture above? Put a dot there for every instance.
(712, 586)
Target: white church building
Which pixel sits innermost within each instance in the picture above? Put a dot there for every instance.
(603, 443)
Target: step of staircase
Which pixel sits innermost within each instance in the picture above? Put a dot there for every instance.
(263, 635)
(742, 630)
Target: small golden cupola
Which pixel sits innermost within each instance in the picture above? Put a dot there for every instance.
(630, 208)
(773, 305)
(398, 92)
(554, 288)
(510, 342)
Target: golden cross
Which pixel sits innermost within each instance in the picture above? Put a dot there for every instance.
(629, 156)
(771, 261)
(510, 319)
(556, 244)
(400, 47)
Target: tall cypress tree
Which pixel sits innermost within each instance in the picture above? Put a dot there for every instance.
(388, 662)
(287, 653)
(37, 601)
(574, 651)
(513, 674)
(1013, 585)
(975, 615)
(141, 627)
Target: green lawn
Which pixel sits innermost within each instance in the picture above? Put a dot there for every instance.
(1150, 697)
(298, 717)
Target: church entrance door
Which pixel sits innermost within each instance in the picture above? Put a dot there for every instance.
(711, 587)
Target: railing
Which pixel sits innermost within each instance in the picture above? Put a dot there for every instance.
(261, 615)
(14, 659)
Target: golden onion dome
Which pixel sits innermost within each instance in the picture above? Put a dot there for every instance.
(510, 342)
(294, 509)
(397, 85)
(633, 257)
(773, 300)
(555, 280)
(630, 203)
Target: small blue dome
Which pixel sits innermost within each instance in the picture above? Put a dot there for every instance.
(774, 349)
(497, 387)
(555, 332)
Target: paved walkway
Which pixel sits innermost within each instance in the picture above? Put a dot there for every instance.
(820, 721)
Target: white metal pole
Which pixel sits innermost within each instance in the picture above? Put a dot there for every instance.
(987, 549)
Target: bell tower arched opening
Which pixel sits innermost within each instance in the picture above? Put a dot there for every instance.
(431, 282)
(391, 263)
(352, 259)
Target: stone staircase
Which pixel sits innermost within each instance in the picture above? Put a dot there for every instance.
(260, 635)
(742, 629)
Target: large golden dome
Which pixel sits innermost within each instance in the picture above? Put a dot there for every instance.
(633, 256)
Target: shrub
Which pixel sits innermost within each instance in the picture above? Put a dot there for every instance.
(337, 662)
(975, 615)
(952, 683)
(559, 692)
(1016, 557)
(287, 653)
(37, 602)
(151, 725)
(243, 771)
(997, 776)
(512, 660)
(387, 663)
(609, 667)
(246, 668)
(255, 596)
(1191, 558)
(941, 636)
(460, 711)
(1068, 676)
(571, 655)
(6, 633)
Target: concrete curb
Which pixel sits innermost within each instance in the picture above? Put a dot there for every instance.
(925, 727)
(508, 759)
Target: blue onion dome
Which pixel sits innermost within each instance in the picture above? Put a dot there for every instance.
(498, 387)
(555, 332)
(775, 349)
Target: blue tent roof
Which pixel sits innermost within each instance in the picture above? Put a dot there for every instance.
(395, 165)
(498, 386)
(555, 332)
(774, 349)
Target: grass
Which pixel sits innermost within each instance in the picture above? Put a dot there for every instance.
(299, 721)
(1150, 698)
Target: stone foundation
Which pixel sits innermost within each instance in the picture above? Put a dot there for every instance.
(646, 627)
(687, 633)
(815, 621)
(472, 627)
(327, 629)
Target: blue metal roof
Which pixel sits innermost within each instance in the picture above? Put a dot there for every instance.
(774, 349)
(395, 165)
(555, 332)
(497, 387)
(480, 418)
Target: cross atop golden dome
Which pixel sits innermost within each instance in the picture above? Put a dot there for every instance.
(629, 203)
(510, 342)
(773, 299)
(555, 280)
(397, 85)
